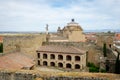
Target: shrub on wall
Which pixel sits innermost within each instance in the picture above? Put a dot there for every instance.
(1, 47)
(92, 67)
(103, 70)
(90, 64)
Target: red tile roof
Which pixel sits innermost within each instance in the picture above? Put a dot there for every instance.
(91, 37)
(117, 37)
(15, 61)
(60, 49)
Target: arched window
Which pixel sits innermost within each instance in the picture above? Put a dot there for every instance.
(68, 65)
(38, 62)
(68, 58)
(38, 54)
(52, 56)
(60, 57)
(77, 58)
(44, 56)
(77, 66)
(110, 45)
(60, 65)
(52, 64)
(44, 63)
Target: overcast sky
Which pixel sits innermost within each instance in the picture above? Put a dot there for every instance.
(33, 15)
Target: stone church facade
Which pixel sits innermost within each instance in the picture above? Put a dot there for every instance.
(73, 32)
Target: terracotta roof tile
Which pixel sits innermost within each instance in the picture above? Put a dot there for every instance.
(15, 61)
(91, 37)
(61, 49)
(117, 37)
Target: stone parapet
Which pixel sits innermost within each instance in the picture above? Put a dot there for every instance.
(37, 75)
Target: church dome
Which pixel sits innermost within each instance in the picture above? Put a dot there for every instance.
(73, 25)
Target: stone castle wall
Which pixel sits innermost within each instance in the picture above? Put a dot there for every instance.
(27, 44)
(36, 75)
(105, 39)
(16, 75)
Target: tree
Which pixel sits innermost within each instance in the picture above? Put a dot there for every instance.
(117, 65)
(104, 50)
(1, 47)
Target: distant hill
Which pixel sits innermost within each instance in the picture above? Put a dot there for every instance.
(19, 32)
(97, 30)
(103, 30)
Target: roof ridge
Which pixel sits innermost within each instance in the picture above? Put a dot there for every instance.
(76, 48)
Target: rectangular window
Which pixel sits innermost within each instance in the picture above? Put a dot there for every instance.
(38, 62)
(38, 54)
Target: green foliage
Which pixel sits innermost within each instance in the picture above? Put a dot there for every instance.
(92, 67)
(103, 70)
(90, 64)
(117, 65)
(109, 32)
(104, 50)
(1, 47)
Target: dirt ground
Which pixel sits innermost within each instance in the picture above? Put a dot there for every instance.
(49, 69)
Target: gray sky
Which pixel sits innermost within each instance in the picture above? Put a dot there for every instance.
(33, 15)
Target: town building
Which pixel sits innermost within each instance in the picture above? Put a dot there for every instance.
(65, 57)
(117, 37)
(117, 41)
(91, 37)
(1, 39)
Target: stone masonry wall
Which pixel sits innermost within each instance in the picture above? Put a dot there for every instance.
(31, 75)
(37, 75)
(16, 75)
(27, 43)
(74, 78)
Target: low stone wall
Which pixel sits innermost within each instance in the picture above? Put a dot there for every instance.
(74, 78)
(11, 75)
(36, 75)
(4, 75)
